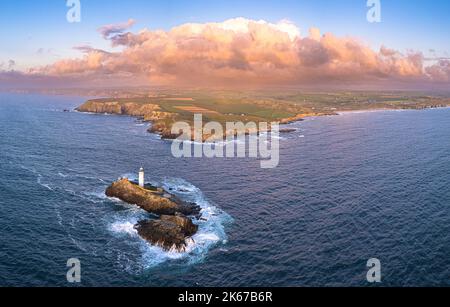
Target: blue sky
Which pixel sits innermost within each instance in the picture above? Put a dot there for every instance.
(27, 26)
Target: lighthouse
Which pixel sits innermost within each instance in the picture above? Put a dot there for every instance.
(141, 177)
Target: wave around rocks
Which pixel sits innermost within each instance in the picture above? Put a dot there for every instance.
(211, 227)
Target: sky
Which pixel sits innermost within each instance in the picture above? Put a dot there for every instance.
(35, 35)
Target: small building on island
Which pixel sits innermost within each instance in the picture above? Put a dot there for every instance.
(141, 178)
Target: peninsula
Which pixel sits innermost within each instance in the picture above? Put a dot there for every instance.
(164, 108)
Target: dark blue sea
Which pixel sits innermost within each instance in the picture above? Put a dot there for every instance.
(348, 188)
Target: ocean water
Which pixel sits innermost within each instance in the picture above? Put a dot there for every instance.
(348, 188)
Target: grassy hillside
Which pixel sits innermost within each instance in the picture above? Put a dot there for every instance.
(166, 107)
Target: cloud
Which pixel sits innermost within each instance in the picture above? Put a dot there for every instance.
(8, 66)
(239, 52)
(11, 64)
(440, 71)
(46, 52)
(113, 29)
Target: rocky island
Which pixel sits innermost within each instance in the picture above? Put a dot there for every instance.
(173, 224)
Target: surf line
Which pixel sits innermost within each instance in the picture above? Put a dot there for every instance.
(208, 141)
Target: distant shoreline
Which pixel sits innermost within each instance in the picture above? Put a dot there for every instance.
(390, 110)
(164, 109)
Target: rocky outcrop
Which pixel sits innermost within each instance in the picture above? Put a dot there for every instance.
(154, 202)
(162, 121)
(128, 108)
(146, 111)
(173, 227)
(164, 130)
(288, 130)
(112, 107)
(169, 232)
(298, 118)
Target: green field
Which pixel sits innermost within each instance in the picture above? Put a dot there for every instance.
(223, 106)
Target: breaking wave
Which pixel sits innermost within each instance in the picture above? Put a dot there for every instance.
(121, 222)
(211, 227)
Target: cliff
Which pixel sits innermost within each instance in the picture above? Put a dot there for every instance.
(162, 121)
(148, 112)
(166, 107)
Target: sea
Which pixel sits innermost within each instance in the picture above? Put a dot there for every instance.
(348, 188)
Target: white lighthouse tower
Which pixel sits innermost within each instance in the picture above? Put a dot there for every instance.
(141, 177)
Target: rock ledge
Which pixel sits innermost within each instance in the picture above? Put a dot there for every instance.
(174, 226)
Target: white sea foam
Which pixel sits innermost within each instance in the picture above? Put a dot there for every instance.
(130, 176)
(267, 138)
(91, 178)
(375, 111)
(226, 142)
(211, 227)
(100, 195)
(124, 227)
(39, 178)
(45, 185)
(58, 214)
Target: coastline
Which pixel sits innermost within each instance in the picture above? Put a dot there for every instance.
(391, 110)
(141, 255)
(165, 134)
